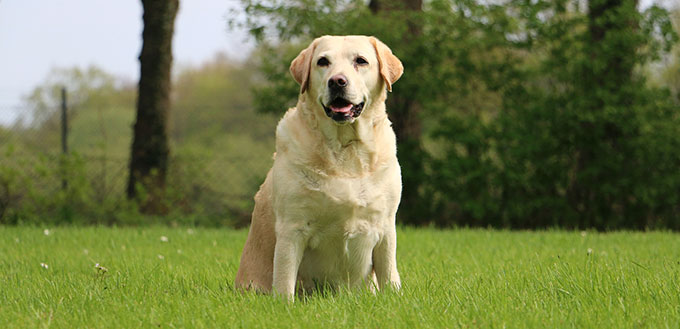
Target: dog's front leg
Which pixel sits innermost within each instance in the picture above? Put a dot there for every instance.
(385, 261)
(290, 246)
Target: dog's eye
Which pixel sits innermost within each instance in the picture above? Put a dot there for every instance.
(361, 61)
(323, 61)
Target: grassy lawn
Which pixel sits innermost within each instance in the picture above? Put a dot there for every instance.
(179, 277)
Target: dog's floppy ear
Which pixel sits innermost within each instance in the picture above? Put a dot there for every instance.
(390, 66)
(301, 66)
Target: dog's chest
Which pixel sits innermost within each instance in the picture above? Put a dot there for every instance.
(347, 209)
(344, 198)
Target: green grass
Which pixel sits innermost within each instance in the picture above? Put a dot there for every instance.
(458, 278)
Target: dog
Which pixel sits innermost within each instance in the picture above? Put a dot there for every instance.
(325, 214)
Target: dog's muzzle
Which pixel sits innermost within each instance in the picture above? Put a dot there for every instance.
(341, 110)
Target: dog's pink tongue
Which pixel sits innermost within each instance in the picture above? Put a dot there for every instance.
(343, 109)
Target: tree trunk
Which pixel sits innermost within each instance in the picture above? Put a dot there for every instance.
(149, 156)
(404, 113)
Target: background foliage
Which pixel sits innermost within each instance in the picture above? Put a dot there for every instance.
(529, 114)
(535, 113)
(221, 150)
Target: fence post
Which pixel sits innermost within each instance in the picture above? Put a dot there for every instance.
(64, 134)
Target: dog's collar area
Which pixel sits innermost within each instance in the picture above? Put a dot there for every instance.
(341, 110)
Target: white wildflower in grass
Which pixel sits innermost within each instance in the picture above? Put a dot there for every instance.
(43, 265)
(160, 256)
(46, 232)
(589, 251)
(584, 233)
(101, 269)
(190, 231)
(164, 238)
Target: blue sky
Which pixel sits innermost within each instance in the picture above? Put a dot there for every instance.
(38, 35)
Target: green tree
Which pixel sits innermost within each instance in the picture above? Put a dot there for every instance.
(581, 140)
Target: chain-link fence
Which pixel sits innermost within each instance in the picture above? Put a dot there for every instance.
(211, 180)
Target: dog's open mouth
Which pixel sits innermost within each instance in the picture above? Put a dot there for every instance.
(341, 109)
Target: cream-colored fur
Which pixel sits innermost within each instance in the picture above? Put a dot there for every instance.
(326, 211)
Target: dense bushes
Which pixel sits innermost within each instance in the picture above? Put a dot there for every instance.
(592, 146)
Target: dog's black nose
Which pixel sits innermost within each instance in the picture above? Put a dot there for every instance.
(337, 81)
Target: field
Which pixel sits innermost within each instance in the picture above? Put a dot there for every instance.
(98, 277)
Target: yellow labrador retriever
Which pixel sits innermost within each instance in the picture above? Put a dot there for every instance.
(326, 211)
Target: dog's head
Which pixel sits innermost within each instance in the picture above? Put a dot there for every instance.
(345, 74)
